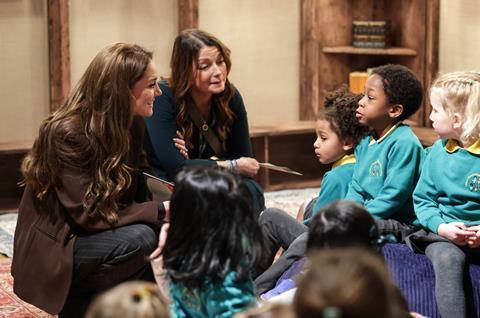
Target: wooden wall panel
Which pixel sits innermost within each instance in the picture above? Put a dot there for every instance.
(59, 52)
(187, 14)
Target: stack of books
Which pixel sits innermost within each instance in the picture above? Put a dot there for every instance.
(370, 34)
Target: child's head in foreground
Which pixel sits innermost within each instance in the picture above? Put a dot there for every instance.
(338, 131)
(392, 94)
(213, 228)
(342, 224)
(455, 100)
(347, 283)
(133, 299)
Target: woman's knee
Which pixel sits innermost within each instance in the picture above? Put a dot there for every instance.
(142, 237)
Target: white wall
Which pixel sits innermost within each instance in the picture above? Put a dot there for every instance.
(459, 35)
(24, 86)
(96, 23)
(264, 36)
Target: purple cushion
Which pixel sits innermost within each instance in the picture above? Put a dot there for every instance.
(413, 274)
(285, 282)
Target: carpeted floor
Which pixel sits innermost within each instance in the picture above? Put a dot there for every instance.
(7, 229)
(289, 200)
(12, 306)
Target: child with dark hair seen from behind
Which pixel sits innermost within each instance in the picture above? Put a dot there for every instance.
(390, 158)
(338, 132)
(344, 225)
(212, 240)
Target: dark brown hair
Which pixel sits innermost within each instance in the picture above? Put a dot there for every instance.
(183, 63)
(339, 110)
(91, 132)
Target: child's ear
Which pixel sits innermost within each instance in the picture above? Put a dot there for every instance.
(348, 145)
(395, 110)
(457, 121)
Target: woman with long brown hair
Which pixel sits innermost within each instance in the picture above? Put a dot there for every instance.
(83, 223)
(200, 119)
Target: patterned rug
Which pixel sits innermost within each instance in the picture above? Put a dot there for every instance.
(7, 229)
(289, 200)
(10, 305)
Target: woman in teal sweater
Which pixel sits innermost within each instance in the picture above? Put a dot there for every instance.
(447, 196)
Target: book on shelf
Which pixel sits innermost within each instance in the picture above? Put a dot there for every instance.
(370, 34)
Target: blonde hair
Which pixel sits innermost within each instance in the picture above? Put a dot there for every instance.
(133, 299)
(460, 95)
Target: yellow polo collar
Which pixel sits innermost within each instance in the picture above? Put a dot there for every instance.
(379, 140)
(452, 146)
(344, 160)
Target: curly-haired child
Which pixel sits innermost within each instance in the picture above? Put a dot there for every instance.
(338, 132)
(389, 160)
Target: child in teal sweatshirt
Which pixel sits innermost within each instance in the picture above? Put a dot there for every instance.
(389, 159)
(338, 132)
(447, 196)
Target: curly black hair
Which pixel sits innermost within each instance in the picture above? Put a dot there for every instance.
(401, 87)
(339, 110)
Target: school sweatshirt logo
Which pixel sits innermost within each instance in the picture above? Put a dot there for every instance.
(376, 169)
(473, 182)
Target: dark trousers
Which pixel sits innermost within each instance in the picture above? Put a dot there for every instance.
(280, 230)
(105, 259)
(399, 229)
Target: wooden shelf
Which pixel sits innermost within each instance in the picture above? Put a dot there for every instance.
(395, 51)
(328, 57)
(290, 145)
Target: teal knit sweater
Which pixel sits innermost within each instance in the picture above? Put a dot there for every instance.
(386, 173)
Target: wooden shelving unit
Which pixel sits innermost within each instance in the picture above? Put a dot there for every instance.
(327, 56)
(289, 145)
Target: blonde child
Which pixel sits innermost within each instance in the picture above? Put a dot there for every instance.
(133, 299)
(389, 160)
(447, 196)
